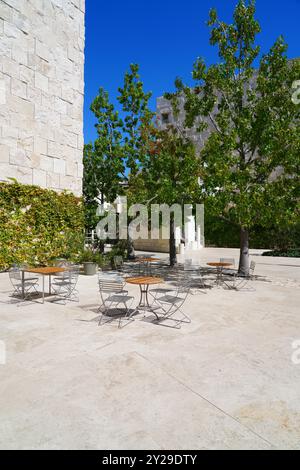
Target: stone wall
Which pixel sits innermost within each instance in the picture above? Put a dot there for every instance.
(165, 115)
(41, 92)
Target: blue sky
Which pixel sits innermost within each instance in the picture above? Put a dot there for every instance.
(165, 37)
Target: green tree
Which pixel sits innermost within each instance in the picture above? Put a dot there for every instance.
(170, 174)
(137, 120)
(104, 159)
(112, 161)
(251, 157)
(138, 117)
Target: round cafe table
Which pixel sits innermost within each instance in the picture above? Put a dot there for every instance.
(144, 283)
(219, 267)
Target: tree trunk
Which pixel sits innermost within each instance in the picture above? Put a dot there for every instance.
(130, 249)
(244, 252)
(172, 243)
(102, 242)
(130, 246)
(101, 246)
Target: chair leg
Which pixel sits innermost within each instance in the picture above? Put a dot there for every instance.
(169, 315)
(103, 314)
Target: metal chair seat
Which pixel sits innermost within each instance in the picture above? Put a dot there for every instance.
(171, 303)
(119, 298)
(229, 271)
(237, 282)
(113, 294)
(169, 299)
(162, 290)
(27, 282)
(24, 287)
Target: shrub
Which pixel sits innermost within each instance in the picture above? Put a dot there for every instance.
(220, 233)
(38, 225)
(91, 256)
(291, 253)
(119, 249)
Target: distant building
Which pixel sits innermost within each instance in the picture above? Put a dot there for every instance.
(165, 116)
(41, 92)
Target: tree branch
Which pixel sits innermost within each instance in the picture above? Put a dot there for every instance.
(222, 217)
(214, 123)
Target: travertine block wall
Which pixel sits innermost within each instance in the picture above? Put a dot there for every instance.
(164, 108)
(41, 92)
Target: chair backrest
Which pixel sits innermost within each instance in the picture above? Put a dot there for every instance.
(111, 285)
(118, 261)
(102, 275)
(188, 264)
(62, 263)
(15, 273)
(71, 274)
(184, 287)
(228, 260)
(74, 269)
(181, 294)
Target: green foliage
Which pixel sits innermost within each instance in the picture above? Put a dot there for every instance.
(221, 233)
(251, 158)
(291, 253)
(91, 256)
(38, 225)
(135, 106)
(119, 249)
(103, 160)
(119, 148)
(105, 261)
(170, 173)
(256, 125)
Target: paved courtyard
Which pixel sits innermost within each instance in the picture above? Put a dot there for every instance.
(225, 381)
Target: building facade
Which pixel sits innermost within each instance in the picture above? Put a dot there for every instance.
(165, 117)
(41, 92)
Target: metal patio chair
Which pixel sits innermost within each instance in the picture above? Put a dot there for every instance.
(119, 263)
(132, 269)
(170, 305)
(229, 271)
(157, 291)
(192, 272)
(113, 295)
(237, 282)
(61, 264)
(64, 285)
(22, 289)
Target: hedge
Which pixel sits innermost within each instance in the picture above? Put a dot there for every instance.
(223, 234)
(38, 225)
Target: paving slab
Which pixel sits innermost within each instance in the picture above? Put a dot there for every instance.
(225, 381)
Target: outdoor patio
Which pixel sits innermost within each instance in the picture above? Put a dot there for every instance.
(225, 381)
(227, 378)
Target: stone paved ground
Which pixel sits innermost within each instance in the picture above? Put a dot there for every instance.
(226, 381)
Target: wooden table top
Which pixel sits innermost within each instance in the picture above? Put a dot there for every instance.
(220, 265)
(148, 260)
(45, 271)
(144, 280)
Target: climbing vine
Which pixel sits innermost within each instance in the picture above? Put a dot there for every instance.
(38, 225)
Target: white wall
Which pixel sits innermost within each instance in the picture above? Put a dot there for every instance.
(41, 92)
